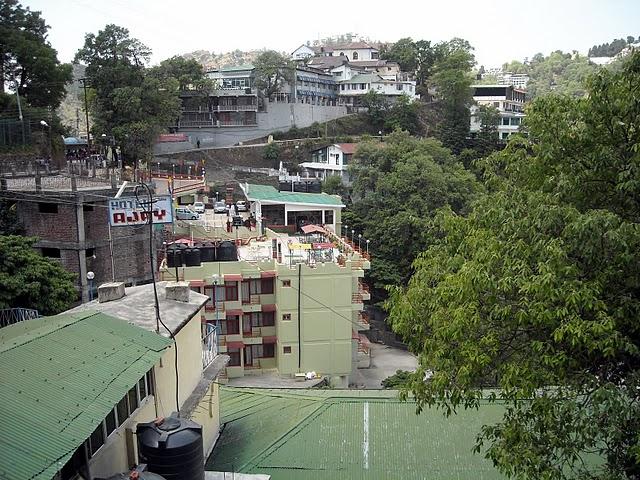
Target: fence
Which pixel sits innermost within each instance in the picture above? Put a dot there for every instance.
(209, 346)
(9, 316)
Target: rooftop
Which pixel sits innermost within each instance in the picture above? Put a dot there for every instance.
(269, 194)
(364, 78)
(328, 434)
(138, 307)
(60, 377)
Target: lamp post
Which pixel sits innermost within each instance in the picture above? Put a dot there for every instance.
(353, 236)
(90, 277)
(49, 147)
(368, 246)
(346, 232)
(380, 134)
(359, 242)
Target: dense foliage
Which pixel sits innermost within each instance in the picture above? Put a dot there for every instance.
(397, 187)
(537, 292)
(272, 71)
(31, 281)
(611, 49)
(130, 103)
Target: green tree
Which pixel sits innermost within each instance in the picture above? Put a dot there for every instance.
(404, 53)
(271, 152)
(333, 185)
(9, 223)
(397, 187)
(31, 281)
(403, 115)
(27, 59)
(188, 72)
(452, 80)
(487, 138)
(272, 71)
(559, 73)
(536, 295)
(130, 103)
(377, 107)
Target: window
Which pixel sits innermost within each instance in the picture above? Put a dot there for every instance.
(328, 216)
(90, 252)
(231, 291)
(230, 326)
(268, 319)
(268, 350)
(245, 288)
(234, 357)
(505, 135)
(110, 422)
(355, 55)
(398, 86)
(496, 104)
(374, 55)
(86, 207)
(48, 207)
(266, 285)
(133, 399)
(286, 317)
(121, 410)
(286, 283)
(286, 349)
(505, 121)
(50, 252)
(96, 440)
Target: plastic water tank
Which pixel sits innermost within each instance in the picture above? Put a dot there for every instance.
(140, 476)
(172, 447)
(174, 257)
(207, 252)
(192, 257)
(227, 252)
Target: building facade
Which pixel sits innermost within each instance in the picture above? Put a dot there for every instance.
(508, 100)
(70, 218)
(352, 90)
(356, 51)
(330, 160)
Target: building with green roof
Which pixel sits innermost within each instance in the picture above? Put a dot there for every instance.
(329, 434)
(274, 208)
(63, 379)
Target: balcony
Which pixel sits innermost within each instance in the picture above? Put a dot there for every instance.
(215, 123)
(209, 348)
(223, 108)
(363, 290)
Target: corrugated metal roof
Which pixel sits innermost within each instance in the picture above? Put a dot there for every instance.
(60, 376)
(269, 193)
(328, 434)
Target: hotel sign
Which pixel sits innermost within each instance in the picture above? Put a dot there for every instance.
(127, 211)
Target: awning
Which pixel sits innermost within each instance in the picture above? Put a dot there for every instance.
(269, 307)
(232, 277)
(272, 339)
(320, 246)
(235, 345)
(235, 312)
(313, 229)
(267, 274)
(196, 283)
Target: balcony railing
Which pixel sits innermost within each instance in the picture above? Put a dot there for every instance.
(209, 347)
(215, 124)
(223, 108)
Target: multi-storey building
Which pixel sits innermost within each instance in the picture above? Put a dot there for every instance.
(69, 216)
(312, 85)
(232, 103)
(507, 99)
(330, 160)
(356, 51)
(518, 80)
(352, 90)
(287, 303)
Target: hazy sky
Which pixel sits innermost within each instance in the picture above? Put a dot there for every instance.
(499, 30)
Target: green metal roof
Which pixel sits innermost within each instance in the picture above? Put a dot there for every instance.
(269, 193)
(328, 434)
(60, 376)
(364, 78)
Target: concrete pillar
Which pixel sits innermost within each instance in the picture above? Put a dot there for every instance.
(82, 253)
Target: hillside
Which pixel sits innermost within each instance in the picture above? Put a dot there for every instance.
(71, 110)
(211, 60)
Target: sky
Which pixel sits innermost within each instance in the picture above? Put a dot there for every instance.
(500, 31)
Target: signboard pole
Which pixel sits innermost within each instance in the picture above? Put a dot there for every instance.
(113, 268)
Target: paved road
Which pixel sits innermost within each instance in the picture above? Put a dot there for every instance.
(385, 360)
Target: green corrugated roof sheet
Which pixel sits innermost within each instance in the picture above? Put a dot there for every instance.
(60, 376)
(267, 192)
(320, 434)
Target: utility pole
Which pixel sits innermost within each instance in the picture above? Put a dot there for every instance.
(86, 112)
(77, 121)
(20, 113)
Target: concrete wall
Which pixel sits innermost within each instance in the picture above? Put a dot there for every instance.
(279, 116)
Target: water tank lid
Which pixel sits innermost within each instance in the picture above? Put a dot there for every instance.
(169, 423)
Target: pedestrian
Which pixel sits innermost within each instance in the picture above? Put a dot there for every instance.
(198, 143)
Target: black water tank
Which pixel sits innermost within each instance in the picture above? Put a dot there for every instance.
(300, 187)
(227, 252)
(174, 257)
(207, 252)
(192, 257)
(314, 187)
(172, 448)
(284, 186)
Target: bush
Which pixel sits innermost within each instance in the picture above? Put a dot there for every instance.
(399, 380)
(271, 152)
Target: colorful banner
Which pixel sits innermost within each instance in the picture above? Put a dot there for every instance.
(127, 211)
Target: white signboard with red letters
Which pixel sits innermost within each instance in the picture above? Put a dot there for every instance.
(127, 211)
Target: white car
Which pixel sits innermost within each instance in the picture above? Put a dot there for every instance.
(220, 207)
(198, 207)
(241, 206)
(186, 214)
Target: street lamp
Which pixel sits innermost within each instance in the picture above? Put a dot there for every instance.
(368, 246)
(359, 242)
(346, 232)
(353, 235)
(90, 277)
(380, 134)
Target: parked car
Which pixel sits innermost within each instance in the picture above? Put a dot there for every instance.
(220, 207)
(186, 214)
(241, 206)
(198, 207)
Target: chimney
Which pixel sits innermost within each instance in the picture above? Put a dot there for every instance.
(178, 291)
(108, 292)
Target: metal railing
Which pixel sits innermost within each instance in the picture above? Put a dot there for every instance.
(9, 316)
(209, 347)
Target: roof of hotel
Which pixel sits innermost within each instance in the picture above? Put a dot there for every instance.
(360, 434)
(271, 194)
(60, 377)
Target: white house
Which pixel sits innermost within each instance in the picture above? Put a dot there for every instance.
(352, 90)
(302, 52)
(330, 160)
(507, 99)
(356, 51)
